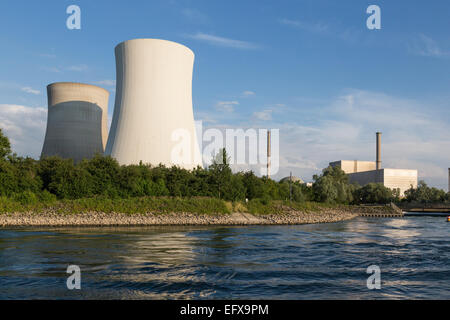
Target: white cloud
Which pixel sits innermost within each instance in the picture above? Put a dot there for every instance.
(425, 46)
(325, 29)
(227, 106)
(223, 42)
(30, 90)
(51, 69)
(194, 15)
(248, 93)
(25, 128)
(264, 115)
(415, 136)
(315, 27)
(297, 163)
(205, 117)
(78, 68)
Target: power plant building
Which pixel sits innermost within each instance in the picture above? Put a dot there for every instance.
(292, 179)
(153, 119)
(365, 172)
(76, 121)
(402, 179)
(353, 166)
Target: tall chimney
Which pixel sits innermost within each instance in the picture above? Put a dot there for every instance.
(378, 150)
(268, 154)
(448, 180)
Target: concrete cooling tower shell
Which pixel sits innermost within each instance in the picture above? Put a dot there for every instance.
(77, 121)
(153, 119)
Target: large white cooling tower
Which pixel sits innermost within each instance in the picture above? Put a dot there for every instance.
(77, 121)
(153, 120)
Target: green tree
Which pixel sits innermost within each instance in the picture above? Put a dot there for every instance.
(374, 193)
(5, 146)
(65, 180)
(423, 193)
(220, 174)
(299, 191)
(134, 181)
(8, 179)
(271, 189)
(236, 189)
(26, 174)
(332, 186)
(199, 183)
(103, 173)
(298, 194)
(254, 186)
(178, 182)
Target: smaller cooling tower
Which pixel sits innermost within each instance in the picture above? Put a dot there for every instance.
(77, 121)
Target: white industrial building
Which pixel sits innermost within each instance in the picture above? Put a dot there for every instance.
(365, 172)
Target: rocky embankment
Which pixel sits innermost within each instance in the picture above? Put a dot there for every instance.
(287, 217)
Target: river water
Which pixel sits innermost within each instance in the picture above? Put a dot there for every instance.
(324, 261)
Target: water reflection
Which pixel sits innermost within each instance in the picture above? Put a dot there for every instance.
(400, 229)
(264, 262)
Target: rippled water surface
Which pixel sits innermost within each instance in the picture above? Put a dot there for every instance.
(326, 261)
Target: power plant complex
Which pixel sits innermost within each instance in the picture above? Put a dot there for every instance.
(153, 121)
(365, 172)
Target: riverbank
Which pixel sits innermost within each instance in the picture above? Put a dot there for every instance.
(177, 211)
(288, 217)
(181, 218)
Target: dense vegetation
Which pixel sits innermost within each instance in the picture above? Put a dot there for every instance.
(31, 182)
(425, 194)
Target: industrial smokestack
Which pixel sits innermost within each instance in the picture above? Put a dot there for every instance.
(448, 180)
(378, 150)
(268, 154)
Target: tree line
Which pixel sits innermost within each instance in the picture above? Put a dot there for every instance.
(51, 178)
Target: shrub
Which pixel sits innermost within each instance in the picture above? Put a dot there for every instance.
(47, 197)
(100, 175)
(374, 193)
(260, 206)
(425, 194)
(239, 207)
(5, 146)
(26, 198)
(8, 179)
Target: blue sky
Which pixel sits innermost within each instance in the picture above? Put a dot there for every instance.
(310, 68)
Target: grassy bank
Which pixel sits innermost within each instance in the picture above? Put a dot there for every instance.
(160, 205)
(128, 205)
(261, 207)
(152, 211)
